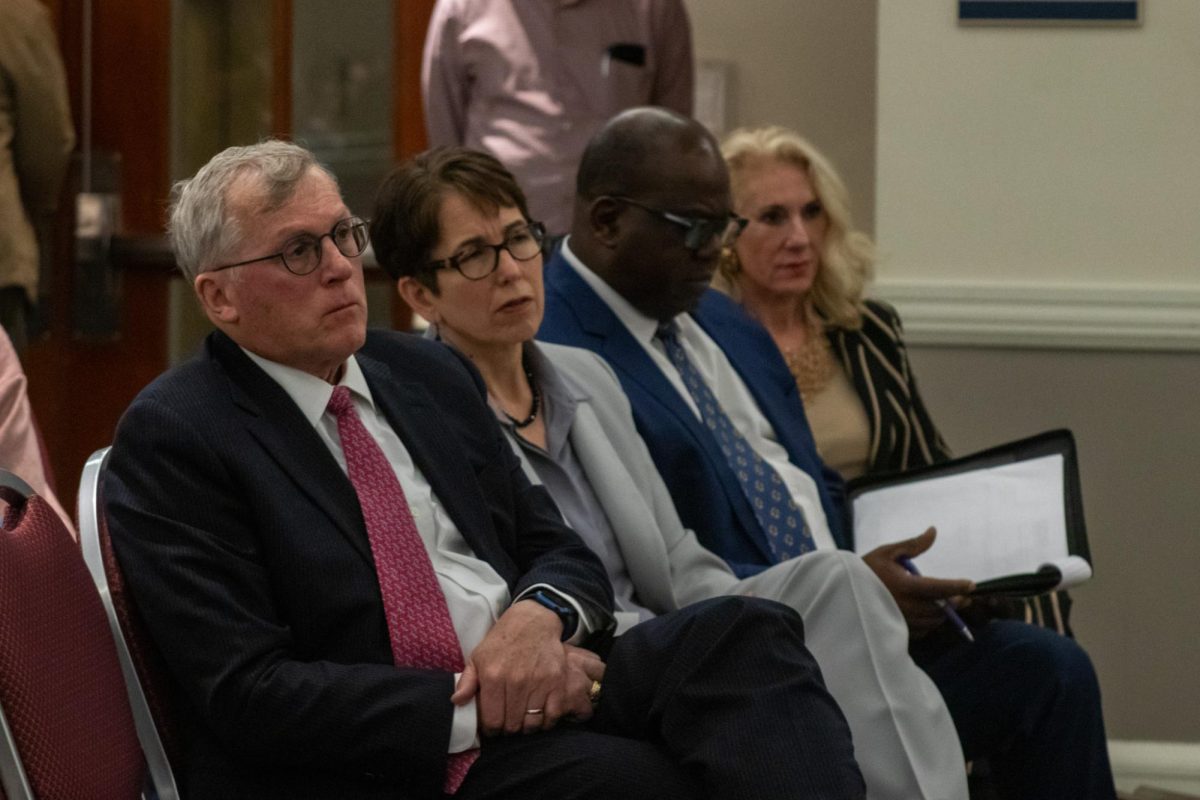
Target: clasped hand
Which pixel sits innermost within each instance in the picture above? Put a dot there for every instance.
(522, 666)
(916, 595)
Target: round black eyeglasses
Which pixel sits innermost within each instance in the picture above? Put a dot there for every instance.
(477, 260)
(302, 254)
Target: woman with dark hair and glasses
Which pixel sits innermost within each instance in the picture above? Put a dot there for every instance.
(452, 227)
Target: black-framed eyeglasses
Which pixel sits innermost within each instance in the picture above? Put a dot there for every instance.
(699, 231)
(302, 254)
(477, 260)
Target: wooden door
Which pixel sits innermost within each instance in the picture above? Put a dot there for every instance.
(80, 385)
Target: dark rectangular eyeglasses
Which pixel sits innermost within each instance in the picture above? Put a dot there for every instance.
(698, 231)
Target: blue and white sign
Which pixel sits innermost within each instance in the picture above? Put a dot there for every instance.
(1080, 12)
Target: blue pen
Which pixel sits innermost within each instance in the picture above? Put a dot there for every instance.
(947, 609)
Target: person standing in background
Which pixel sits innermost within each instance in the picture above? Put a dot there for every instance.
(36, 138)
(530, 82)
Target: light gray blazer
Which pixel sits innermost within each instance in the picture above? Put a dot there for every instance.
(668, 566)
(904, 738)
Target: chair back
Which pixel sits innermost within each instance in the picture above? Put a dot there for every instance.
(67, 729)
(141, 664)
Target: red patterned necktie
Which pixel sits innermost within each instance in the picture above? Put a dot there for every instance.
(419, 624)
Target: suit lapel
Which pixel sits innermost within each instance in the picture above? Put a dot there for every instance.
(628, 358)
(751, 352)
(632, 519)
(742, 354)
(619, 348)
(433, 448)
(288, 438)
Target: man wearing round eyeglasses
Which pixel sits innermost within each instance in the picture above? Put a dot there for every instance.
(316, 526)
(304, 305)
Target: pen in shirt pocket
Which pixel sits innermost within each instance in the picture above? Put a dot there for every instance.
(628, 52)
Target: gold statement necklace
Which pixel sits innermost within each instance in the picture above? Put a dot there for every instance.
(811, 363)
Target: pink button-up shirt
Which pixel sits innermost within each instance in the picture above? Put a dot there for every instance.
(530, 81)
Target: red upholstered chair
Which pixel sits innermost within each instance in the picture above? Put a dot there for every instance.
(144, 672)
(67, 730)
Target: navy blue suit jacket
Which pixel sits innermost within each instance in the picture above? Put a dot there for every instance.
(706, 491)
(243, 545)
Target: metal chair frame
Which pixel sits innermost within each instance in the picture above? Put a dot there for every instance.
(162, 779)
(13, 490)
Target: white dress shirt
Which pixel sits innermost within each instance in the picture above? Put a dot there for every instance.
(726, 385)
(476, 594)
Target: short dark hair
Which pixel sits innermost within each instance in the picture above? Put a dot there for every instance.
(616, 157)
(404, 227)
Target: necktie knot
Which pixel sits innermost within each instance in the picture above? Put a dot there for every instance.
(339, 401)
(668, 331)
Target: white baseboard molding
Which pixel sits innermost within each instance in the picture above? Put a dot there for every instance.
(1164, 765)
(1083, 316)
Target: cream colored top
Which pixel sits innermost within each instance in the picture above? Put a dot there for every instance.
(840, 426)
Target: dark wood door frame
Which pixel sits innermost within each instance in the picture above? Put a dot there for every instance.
(80, 388)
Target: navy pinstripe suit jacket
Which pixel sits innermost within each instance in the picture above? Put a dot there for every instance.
(244, 547)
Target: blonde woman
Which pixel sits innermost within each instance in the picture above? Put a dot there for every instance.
(801, 269)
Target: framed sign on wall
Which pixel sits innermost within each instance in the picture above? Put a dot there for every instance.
(1049, 12)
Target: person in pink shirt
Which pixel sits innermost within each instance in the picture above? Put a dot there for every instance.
(530, 82)
(20, 451)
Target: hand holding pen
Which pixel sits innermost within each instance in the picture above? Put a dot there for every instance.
(925, 602)
(947, 609)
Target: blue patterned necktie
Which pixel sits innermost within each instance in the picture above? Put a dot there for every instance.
(778, 515)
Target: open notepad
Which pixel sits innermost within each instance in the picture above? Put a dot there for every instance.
(1009, 518)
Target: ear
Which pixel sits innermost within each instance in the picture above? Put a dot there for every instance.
(420, 298)
(604, 219)
(213, 291)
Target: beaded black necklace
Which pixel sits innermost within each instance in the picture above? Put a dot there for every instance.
(534, 406)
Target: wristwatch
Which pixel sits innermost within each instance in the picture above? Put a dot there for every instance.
(555, 602)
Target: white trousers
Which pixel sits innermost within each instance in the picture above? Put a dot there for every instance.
(904, 739)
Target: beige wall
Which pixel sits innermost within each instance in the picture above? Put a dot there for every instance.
(1133, 415)
(1045, 154)
(809, 66)
(1038, 185)
(1024, 160)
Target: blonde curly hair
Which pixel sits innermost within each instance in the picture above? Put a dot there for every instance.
(848, 255)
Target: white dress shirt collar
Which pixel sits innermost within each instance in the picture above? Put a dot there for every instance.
(641, 326)
(311, 393)
(726, 385)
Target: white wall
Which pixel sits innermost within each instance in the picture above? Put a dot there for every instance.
(809, 66)
(1039, 154)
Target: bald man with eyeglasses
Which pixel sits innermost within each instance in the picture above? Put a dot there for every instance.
(722, 419)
